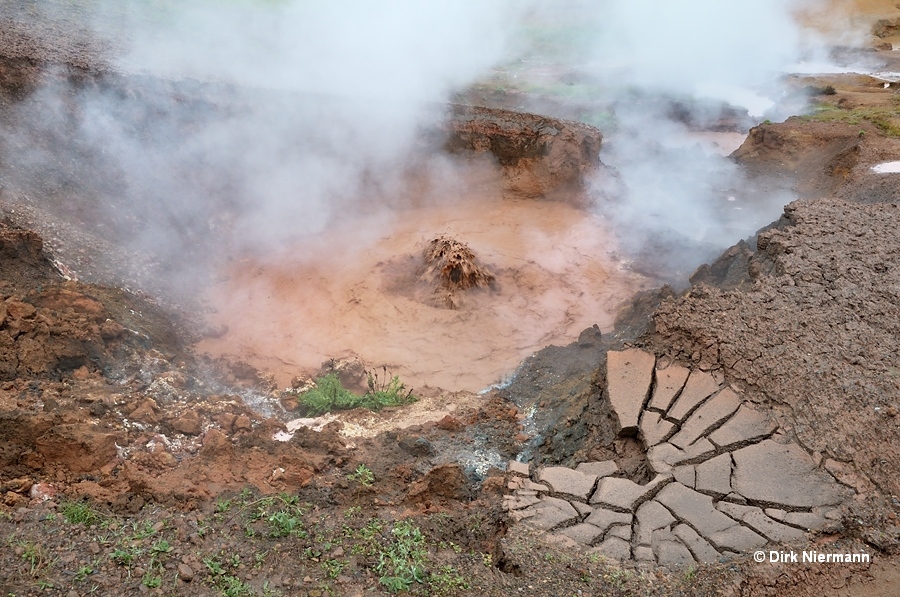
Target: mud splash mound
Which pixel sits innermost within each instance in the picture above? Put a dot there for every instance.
(452, 268)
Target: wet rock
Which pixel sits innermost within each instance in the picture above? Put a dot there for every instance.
(614, 548)
(624, 494)
(519, 468)
(747, 424)
(694, 508)
(567, 481)
(603, 518)
(242, 423)
(582, 533)
(762, 524)
(651, 516)
(629, 374)
(185, 572)
(416, 446)
(782, 474)
(715, 410)
(686, 475)
(807, 520)
(551, 513)
(539, 155)
(700, 547)
(600, 469)
(669, 382)
(699, 386)
(654, 428)
(188, 423)
(714, 476)
(669, 550)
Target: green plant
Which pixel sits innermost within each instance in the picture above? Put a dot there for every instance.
(83, 573)
(35, 556)
(125, 556)
(232, 586)
(328, 394)
(384, 393)
(80, 513)
(333, 568)
(447, 581)
(160, 547)
(363, 475)
(402, 562)
(151, 580)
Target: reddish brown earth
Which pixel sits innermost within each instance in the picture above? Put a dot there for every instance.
(103, 400)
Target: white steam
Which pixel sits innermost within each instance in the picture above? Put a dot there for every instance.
(326, 101)
(669, 68)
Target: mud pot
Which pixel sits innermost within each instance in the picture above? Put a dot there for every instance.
(360, 288)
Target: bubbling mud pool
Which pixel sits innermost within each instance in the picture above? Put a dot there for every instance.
(353, 290)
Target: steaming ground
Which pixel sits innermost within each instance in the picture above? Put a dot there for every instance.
(557, 274)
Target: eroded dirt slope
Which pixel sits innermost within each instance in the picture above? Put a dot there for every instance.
(814, 340)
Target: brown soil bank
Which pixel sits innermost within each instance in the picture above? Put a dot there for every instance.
(814, 338)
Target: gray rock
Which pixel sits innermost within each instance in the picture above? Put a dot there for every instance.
(773, 530)
(654, 428)
(776, 513)
(669, 382)
(624, 494)
(628, 374)
(614, 548)
(603, 518)
(550, 513)
(700, 547)
(694, 508)
(782, 474)
(747, 424)
(519, 502)
(582, 533)
(583, 509)
(185, 572)
(714, 476)
(568, 481)
(519, 468)
(622, 531)
(738, 538)
(643, 553)
(714, 411)
(671, 552)
(700, 386)
(663, 457)
(686, 475)
(806, 520)
(603, 468)
(651, 516)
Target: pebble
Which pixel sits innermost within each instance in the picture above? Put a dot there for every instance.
(185, 572)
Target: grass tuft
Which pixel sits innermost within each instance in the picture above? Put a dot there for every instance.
(329, 395)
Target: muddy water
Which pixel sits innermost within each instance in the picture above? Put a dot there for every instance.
(353, 289)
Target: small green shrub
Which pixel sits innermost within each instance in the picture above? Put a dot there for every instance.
(329, 395)
(403, 561)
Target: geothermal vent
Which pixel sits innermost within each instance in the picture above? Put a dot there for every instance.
(451, 268)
